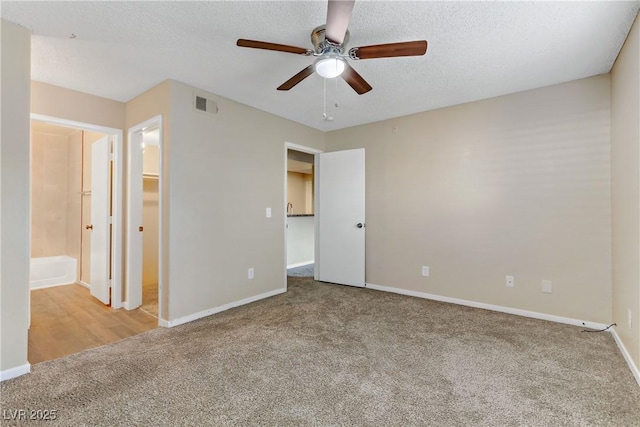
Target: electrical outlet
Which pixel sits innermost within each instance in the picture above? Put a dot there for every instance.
(425, 270)
(629, 320)
(509, 281)
(547, 287)
(250, 273)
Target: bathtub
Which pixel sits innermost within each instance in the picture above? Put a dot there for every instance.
(52, 271)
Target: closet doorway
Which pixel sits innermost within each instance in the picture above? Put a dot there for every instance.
(144, 218)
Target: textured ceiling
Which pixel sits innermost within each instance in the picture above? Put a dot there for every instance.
(476, 50)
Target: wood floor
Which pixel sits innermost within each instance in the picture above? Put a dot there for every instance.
(67, 319)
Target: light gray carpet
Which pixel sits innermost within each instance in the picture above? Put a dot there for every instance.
(332, 355)
(302, 271)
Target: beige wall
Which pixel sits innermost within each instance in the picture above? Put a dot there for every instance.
(151, 160)
(516, 185)
(297, 191)
(49, 194)
(69, 104)
(625, 167)
(15, 71)
(223, 174)
(74, 198)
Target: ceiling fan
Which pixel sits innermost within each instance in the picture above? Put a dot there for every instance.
(330, 41)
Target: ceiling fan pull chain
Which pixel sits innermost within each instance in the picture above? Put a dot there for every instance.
(324, 99)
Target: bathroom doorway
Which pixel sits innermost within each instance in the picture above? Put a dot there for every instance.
(78, 147)
(60, 204)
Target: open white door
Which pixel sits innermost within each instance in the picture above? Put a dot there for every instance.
(341, 216)
(100, 215)
(134, 226)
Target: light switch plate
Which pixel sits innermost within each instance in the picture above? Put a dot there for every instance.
(547, 287)
(268, 212)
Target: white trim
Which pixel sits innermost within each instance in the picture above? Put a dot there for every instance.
(209, 312)
(300, 264)
(117, 221)
(303, 148)
(7, 374)
(85, 284)
(117, 231)
(51, 286)
(634, 369)
(499, 308)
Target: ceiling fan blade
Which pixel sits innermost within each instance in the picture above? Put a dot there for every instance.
(355, 80)
(389, 50)
(338, 16)
(297, 78)
(272, 46)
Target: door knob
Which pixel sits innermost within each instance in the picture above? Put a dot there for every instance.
(89, 227)
(359, 225)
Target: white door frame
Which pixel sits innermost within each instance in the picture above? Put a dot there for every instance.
(116, 220)
(314, 151)
(154, 122)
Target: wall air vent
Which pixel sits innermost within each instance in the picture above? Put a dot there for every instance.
(205, 105)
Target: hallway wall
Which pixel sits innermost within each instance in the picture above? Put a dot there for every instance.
(15, 74)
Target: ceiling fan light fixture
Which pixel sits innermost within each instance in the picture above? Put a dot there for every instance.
(329, 67)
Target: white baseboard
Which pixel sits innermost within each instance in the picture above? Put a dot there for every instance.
(209, 312)
(7, 374)
(508, 310)
(300, 264)
(85, 284)
(128, 306)
(634, 369)
(35, 288)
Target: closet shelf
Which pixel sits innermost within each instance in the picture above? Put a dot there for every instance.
(150, 176)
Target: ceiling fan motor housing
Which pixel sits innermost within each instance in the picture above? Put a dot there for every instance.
(321, 45)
